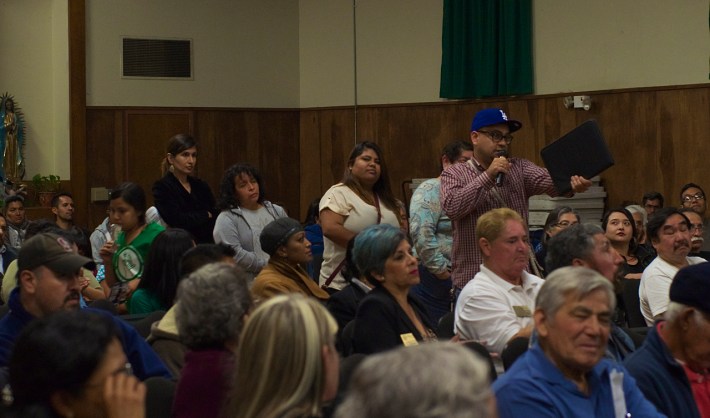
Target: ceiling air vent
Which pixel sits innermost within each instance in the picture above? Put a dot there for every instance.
(157, 58)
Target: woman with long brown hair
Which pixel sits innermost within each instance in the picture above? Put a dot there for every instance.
(361, 199)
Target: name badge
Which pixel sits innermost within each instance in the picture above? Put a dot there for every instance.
(408, 339)
(522, 311)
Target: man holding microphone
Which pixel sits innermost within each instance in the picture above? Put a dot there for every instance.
(491, 179)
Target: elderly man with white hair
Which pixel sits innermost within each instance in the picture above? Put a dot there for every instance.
(565, 374)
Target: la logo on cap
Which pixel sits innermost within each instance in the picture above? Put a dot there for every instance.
(503, 115)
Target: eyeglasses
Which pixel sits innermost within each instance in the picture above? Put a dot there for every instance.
(696, 227)
(497, 136)
(693, 198)
(564, 224)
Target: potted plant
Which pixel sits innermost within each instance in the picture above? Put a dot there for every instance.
(45, 187)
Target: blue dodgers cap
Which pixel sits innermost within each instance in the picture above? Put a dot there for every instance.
(691, 286)
(488, 117)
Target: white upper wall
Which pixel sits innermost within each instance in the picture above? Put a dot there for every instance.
(610, 44)
(579, 45)
(398, 51)
(245, 52)
(35, 69)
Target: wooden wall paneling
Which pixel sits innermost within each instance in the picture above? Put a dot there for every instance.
(214, 129)
(279, 158)
(337, 138)
(310, 156)
(205, 134)
(684, 131)
(223, 127)
(146, 135)
(103, 158)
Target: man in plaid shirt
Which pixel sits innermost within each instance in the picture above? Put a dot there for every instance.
(490, 180)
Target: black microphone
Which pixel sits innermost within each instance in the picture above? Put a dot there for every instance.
(499, 176)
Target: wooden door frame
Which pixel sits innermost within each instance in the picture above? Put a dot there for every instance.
(77, 110)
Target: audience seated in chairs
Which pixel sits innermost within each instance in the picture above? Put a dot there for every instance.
(287, 364)
(586, 245)
(496, 306)
(440, 379)
(669, 232)
(164, 336)
(48, 283)
(557, 220)
(640, 218)
(389, 316)
(213, 303)
(565, 374)
(697, 229)
(284, 240)
(343, 303)
(72, 364)
(93, 291)
(621, 230)
(671, 366)
(161, 276)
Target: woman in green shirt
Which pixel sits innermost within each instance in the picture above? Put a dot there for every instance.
(125, 258)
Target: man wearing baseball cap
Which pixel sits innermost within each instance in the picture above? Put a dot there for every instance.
(48, 281)
(490, 180)
(673, 364)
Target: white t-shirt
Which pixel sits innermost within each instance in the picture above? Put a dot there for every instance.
(358, 216)
(491, 310)
(655, 286)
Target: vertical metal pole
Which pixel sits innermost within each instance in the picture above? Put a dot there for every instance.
(355, 64)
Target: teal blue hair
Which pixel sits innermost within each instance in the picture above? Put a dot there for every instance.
(373, 246)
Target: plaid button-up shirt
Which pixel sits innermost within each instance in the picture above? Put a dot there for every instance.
(466, 195)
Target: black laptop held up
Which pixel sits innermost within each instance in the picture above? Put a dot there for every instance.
(580, 152)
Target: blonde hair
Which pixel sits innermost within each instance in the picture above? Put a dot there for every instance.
(280, 369)
(492, 223)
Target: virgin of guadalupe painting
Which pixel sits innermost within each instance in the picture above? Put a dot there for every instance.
(12, 140)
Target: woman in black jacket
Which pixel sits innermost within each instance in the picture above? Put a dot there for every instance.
(389, 316)
(184, 201)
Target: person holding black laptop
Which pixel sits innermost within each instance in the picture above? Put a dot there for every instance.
(491, 179)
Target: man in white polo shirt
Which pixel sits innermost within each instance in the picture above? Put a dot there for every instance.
(497, 305)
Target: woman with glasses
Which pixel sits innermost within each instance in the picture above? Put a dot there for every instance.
(620, 228)
(72, 364)
(557, 220)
